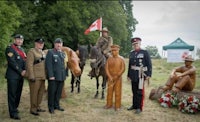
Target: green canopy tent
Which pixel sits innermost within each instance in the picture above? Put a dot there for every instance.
(177, 49)
(178, 44)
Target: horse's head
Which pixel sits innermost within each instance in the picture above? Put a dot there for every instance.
(95, 56)
(73, 61)
(82, 54)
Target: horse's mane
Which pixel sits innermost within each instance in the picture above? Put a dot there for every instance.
(70, 52)
(94, 52)
(72, 59)
(83, 52)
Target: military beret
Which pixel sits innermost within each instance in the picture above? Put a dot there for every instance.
(115, 47)
(18, 36)
(135, 40)
(58, 40)
(39, 40)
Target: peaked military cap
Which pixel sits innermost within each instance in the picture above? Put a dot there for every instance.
(39, 40)
(18, 36)
(136, 40)
(58, 40)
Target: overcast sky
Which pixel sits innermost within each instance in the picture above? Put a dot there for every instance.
(162, 22)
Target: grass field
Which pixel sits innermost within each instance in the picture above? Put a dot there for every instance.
(83, 107)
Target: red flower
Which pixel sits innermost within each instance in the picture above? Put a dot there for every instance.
(167, 95)
(190, 99)
(161, 100)
(169, 104)
(181, 105)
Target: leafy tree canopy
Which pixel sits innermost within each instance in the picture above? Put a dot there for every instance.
(153, 51)
(67, 20)
(9, 21)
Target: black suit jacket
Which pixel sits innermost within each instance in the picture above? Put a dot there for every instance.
(15, 64)
(138, 58)
(55, 65)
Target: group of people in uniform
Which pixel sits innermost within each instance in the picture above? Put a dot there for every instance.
(37, 66)
(40, 65)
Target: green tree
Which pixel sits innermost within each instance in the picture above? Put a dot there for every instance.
(113, 18)
(131, 22)
(29, 24)
(153, 51)
(64, 20)
(9, 21)
(69, 20)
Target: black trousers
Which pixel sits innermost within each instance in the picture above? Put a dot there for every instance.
(54, 93)
(14, 89)
(137, 95)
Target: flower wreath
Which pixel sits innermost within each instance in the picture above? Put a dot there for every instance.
(168, 100)
(189, 104)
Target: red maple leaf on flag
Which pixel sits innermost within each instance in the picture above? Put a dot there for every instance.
(96, 25)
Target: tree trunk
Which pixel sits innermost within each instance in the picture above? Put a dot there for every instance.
(155, 94)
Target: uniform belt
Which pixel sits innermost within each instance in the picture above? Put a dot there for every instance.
(38, 61)
(141, 75)
(138, 68)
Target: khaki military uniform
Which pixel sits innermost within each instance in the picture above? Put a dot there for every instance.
(104, 44)
(36, 75)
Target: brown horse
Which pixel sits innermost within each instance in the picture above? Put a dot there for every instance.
(72, 61)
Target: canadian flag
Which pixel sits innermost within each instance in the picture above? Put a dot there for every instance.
(96, 25)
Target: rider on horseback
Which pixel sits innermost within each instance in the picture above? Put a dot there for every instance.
(103, 44)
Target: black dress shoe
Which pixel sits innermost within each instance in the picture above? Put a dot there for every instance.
(35, 113)
(40, 110)
(59, 108)
(15, 117)
(131, 108)
(51, 111)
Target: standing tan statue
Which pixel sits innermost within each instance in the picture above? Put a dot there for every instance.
(184, 77)
(115, 67)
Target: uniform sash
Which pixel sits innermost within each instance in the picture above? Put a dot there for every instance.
(20, 52)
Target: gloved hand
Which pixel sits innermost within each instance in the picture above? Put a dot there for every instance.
(32, 80)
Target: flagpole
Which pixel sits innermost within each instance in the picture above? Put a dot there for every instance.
(101, 26)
